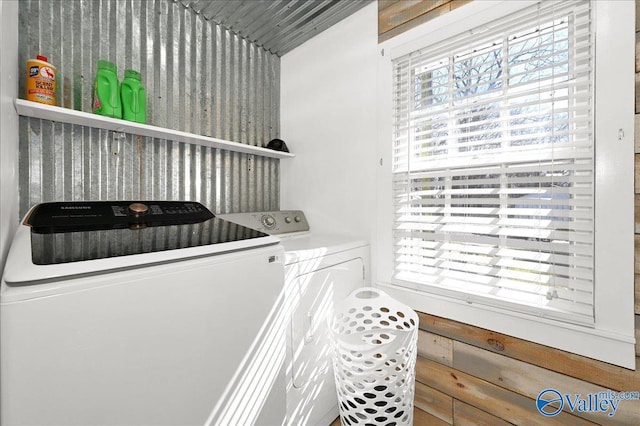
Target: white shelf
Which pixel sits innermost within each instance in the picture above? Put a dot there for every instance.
(66, 115)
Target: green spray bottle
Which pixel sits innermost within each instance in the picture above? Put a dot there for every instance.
(106, 96)
(133, 95)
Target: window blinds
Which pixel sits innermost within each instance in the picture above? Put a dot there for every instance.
(493, 164)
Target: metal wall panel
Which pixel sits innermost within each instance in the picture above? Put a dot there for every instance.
(199, 77)
(277, 25)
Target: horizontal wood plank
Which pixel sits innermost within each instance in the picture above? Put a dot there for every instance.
(636, 128)
(495, 400)
(468, 415)
(637, 213)
(637, 93)
(432, 14)
(637, 295)
(458, 3)
(402, 12)
(637, 318)
(637, 173)
(421, 418)
(637, 47)
(383, 4)
(577, 366)
(636, 255)
(434, 402)
(435, 347)
(529, 380)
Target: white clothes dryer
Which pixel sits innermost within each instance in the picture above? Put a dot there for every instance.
(156, 313)
(320, 270)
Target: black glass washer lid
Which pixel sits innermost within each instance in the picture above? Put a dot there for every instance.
(82, 231)
(79, 216)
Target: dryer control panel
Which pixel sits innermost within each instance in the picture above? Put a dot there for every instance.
(271, 222)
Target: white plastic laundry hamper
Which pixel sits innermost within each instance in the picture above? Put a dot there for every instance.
(374, 339)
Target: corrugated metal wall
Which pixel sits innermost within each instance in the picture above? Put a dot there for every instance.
(199, 78)
(277, 25)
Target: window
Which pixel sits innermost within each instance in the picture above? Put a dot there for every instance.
(493, 164)
(502, 214)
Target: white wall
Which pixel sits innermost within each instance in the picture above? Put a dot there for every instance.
(8, 125)
(328, 116)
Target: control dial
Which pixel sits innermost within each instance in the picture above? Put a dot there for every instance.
(138, 209)
(268, 221)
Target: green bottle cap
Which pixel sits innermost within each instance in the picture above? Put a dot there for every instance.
(132, 74)
(108, 66)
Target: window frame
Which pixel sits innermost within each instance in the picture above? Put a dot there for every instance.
(611, 339)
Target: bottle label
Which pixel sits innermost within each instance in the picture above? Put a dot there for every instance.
(41, 83)
(96, 100)
(47, 73)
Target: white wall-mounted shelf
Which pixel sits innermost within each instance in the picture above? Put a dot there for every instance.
(66, 115)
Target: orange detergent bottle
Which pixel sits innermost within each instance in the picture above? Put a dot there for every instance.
(41, 81)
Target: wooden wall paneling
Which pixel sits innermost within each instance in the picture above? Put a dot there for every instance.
(401, 12)
(637, 91)
(587, 369)
(418, 20)
(435, 347)
(434, 402)
(529, 380)
(468, 415)
(493, 399)
(637, 171)
(637, 15)
(421, 418)
(637, 186)
(383, 4)
(637, 50)
(636, 131)
(636, 257)
(637, 295)
(637, 57)
(637, 214)
(637, 317)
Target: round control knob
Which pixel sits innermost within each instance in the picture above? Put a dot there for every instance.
(268, 221)
(287, 219)
(138, 209)
(297, 218)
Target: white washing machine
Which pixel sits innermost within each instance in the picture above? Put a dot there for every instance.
(319, 271)
(153, 313)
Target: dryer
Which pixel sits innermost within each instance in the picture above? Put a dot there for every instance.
(320, 270)
(130, 313)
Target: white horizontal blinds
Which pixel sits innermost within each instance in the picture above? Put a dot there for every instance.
(493, 164)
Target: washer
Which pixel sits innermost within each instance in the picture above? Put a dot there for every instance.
(131, 313)
(319, 271)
